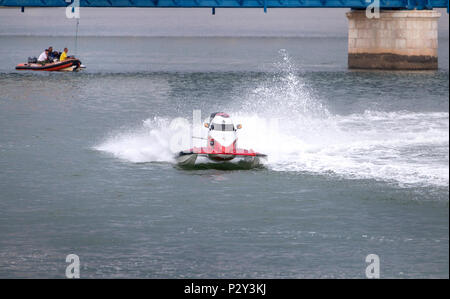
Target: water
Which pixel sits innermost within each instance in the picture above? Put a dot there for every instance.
(358, 162)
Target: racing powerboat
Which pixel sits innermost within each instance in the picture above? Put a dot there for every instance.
(221, 144)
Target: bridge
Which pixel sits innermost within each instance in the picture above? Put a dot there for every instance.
(382, 34)
(356, 4)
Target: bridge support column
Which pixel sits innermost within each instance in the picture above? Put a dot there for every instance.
(398, 40)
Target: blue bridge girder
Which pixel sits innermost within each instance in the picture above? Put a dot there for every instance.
(384, 4)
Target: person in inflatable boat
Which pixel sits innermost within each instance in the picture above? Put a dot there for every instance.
(63, 55)
(43, 58)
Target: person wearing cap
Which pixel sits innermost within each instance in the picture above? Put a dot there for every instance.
(51, 55)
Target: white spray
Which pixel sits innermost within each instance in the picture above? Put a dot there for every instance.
(284, 120)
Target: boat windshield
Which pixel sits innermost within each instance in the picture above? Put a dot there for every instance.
(222, 127)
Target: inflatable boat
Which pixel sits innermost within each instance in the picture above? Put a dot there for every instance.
(68, 65)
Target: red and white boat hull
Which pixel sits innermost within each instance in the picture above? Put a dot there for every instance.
(221, 144)
(69, 65)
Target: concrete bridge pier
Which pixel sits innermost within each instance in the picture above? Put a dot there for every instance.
(397, 40)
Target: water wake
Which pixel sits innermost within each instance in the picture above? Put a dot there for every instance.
(283, 119)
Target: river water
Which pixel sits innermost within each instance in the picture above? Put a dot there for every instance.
(358, 161)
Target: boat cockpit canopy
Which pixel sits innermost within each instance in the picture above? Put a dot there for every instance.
(222, 127)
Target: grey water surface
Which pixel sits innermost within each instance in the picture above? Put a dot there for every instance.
(358, 165)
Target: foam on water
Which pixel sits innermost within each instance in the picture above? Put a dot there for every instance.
(149, 143)
(283, 119)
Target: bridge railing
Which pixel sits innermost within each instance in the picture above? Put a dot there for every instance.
(384, 4)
